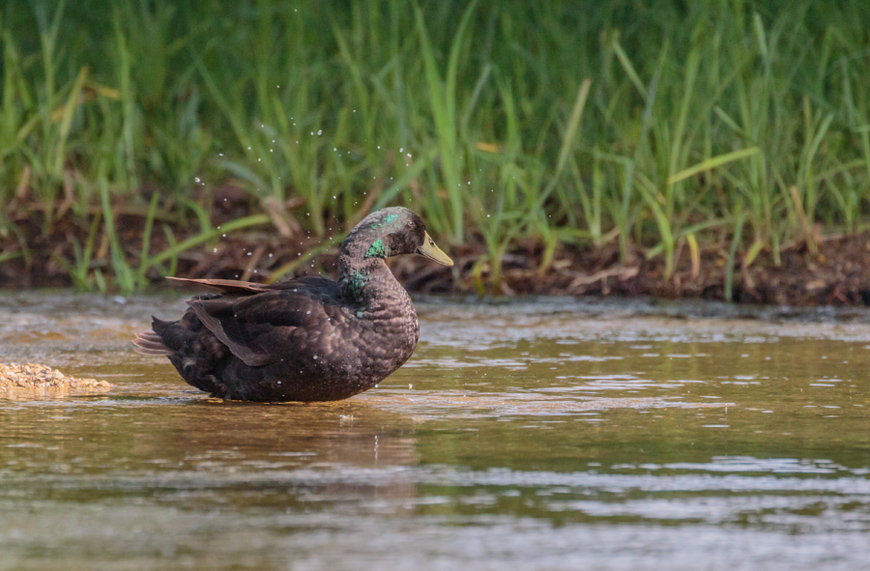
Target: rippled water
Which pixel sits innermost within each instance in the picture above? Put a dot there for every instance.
(547, 434)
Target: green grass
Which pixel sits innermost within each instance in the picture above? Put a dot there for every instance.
(643, 124)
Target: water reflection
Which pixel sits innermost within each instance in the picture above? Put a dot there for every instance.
(546, 434)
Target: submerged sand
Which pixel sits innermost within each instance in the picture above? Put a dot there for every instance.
(32, 379)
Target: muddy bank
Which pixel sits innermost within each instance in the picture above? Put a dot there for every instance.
(837, 273)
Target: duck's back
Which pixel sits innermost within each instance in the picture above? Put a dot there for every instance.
(298, 340)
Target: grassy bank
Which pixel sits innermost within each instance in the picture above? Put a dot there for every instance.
(661, 129)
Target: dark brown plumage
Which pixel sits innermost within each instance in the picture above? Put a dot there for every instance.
(306, 339)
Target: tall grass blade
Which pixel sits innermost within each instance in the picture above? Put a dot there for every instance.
(712, 163)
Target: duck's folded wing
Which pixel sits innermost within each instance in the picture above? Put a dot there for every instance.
(307, 284)
(260, 329)
(225, 286)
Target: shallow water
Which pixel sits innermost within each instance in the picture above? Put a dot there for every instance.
(548, 434)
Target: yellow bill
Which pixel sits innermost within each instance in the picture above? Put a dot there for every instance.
(433, 252)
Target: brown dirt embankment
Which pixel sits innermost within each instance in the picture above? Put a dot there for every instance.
(835, 272)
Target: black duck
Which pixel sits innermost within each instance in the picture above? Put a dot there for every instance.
(306, 339)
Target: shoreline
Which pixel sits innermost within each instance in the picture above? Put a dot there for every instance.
(837, 274)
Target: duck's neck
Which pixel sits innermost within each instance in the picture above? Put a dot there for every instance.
(364, 278)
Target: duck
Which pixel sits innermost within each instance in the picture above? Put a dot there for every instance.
(308, 339)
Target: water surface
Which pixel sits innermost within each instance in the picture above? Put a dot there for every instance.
(538, 434)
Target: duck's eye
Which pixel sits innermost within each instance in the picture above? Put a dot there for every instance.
(410, 223)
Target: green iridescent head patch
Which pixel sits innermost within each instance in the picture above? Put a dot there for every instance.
(377, 250)
(388, 219)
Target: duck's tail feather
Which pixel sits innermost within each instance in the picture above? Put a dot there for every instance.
(150, 342)
(158, 325)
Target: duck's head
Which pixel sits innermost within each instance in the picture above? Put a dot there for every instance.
(394, 231)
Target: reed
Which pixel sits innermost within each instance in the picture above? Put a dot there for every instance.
(644, 125)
